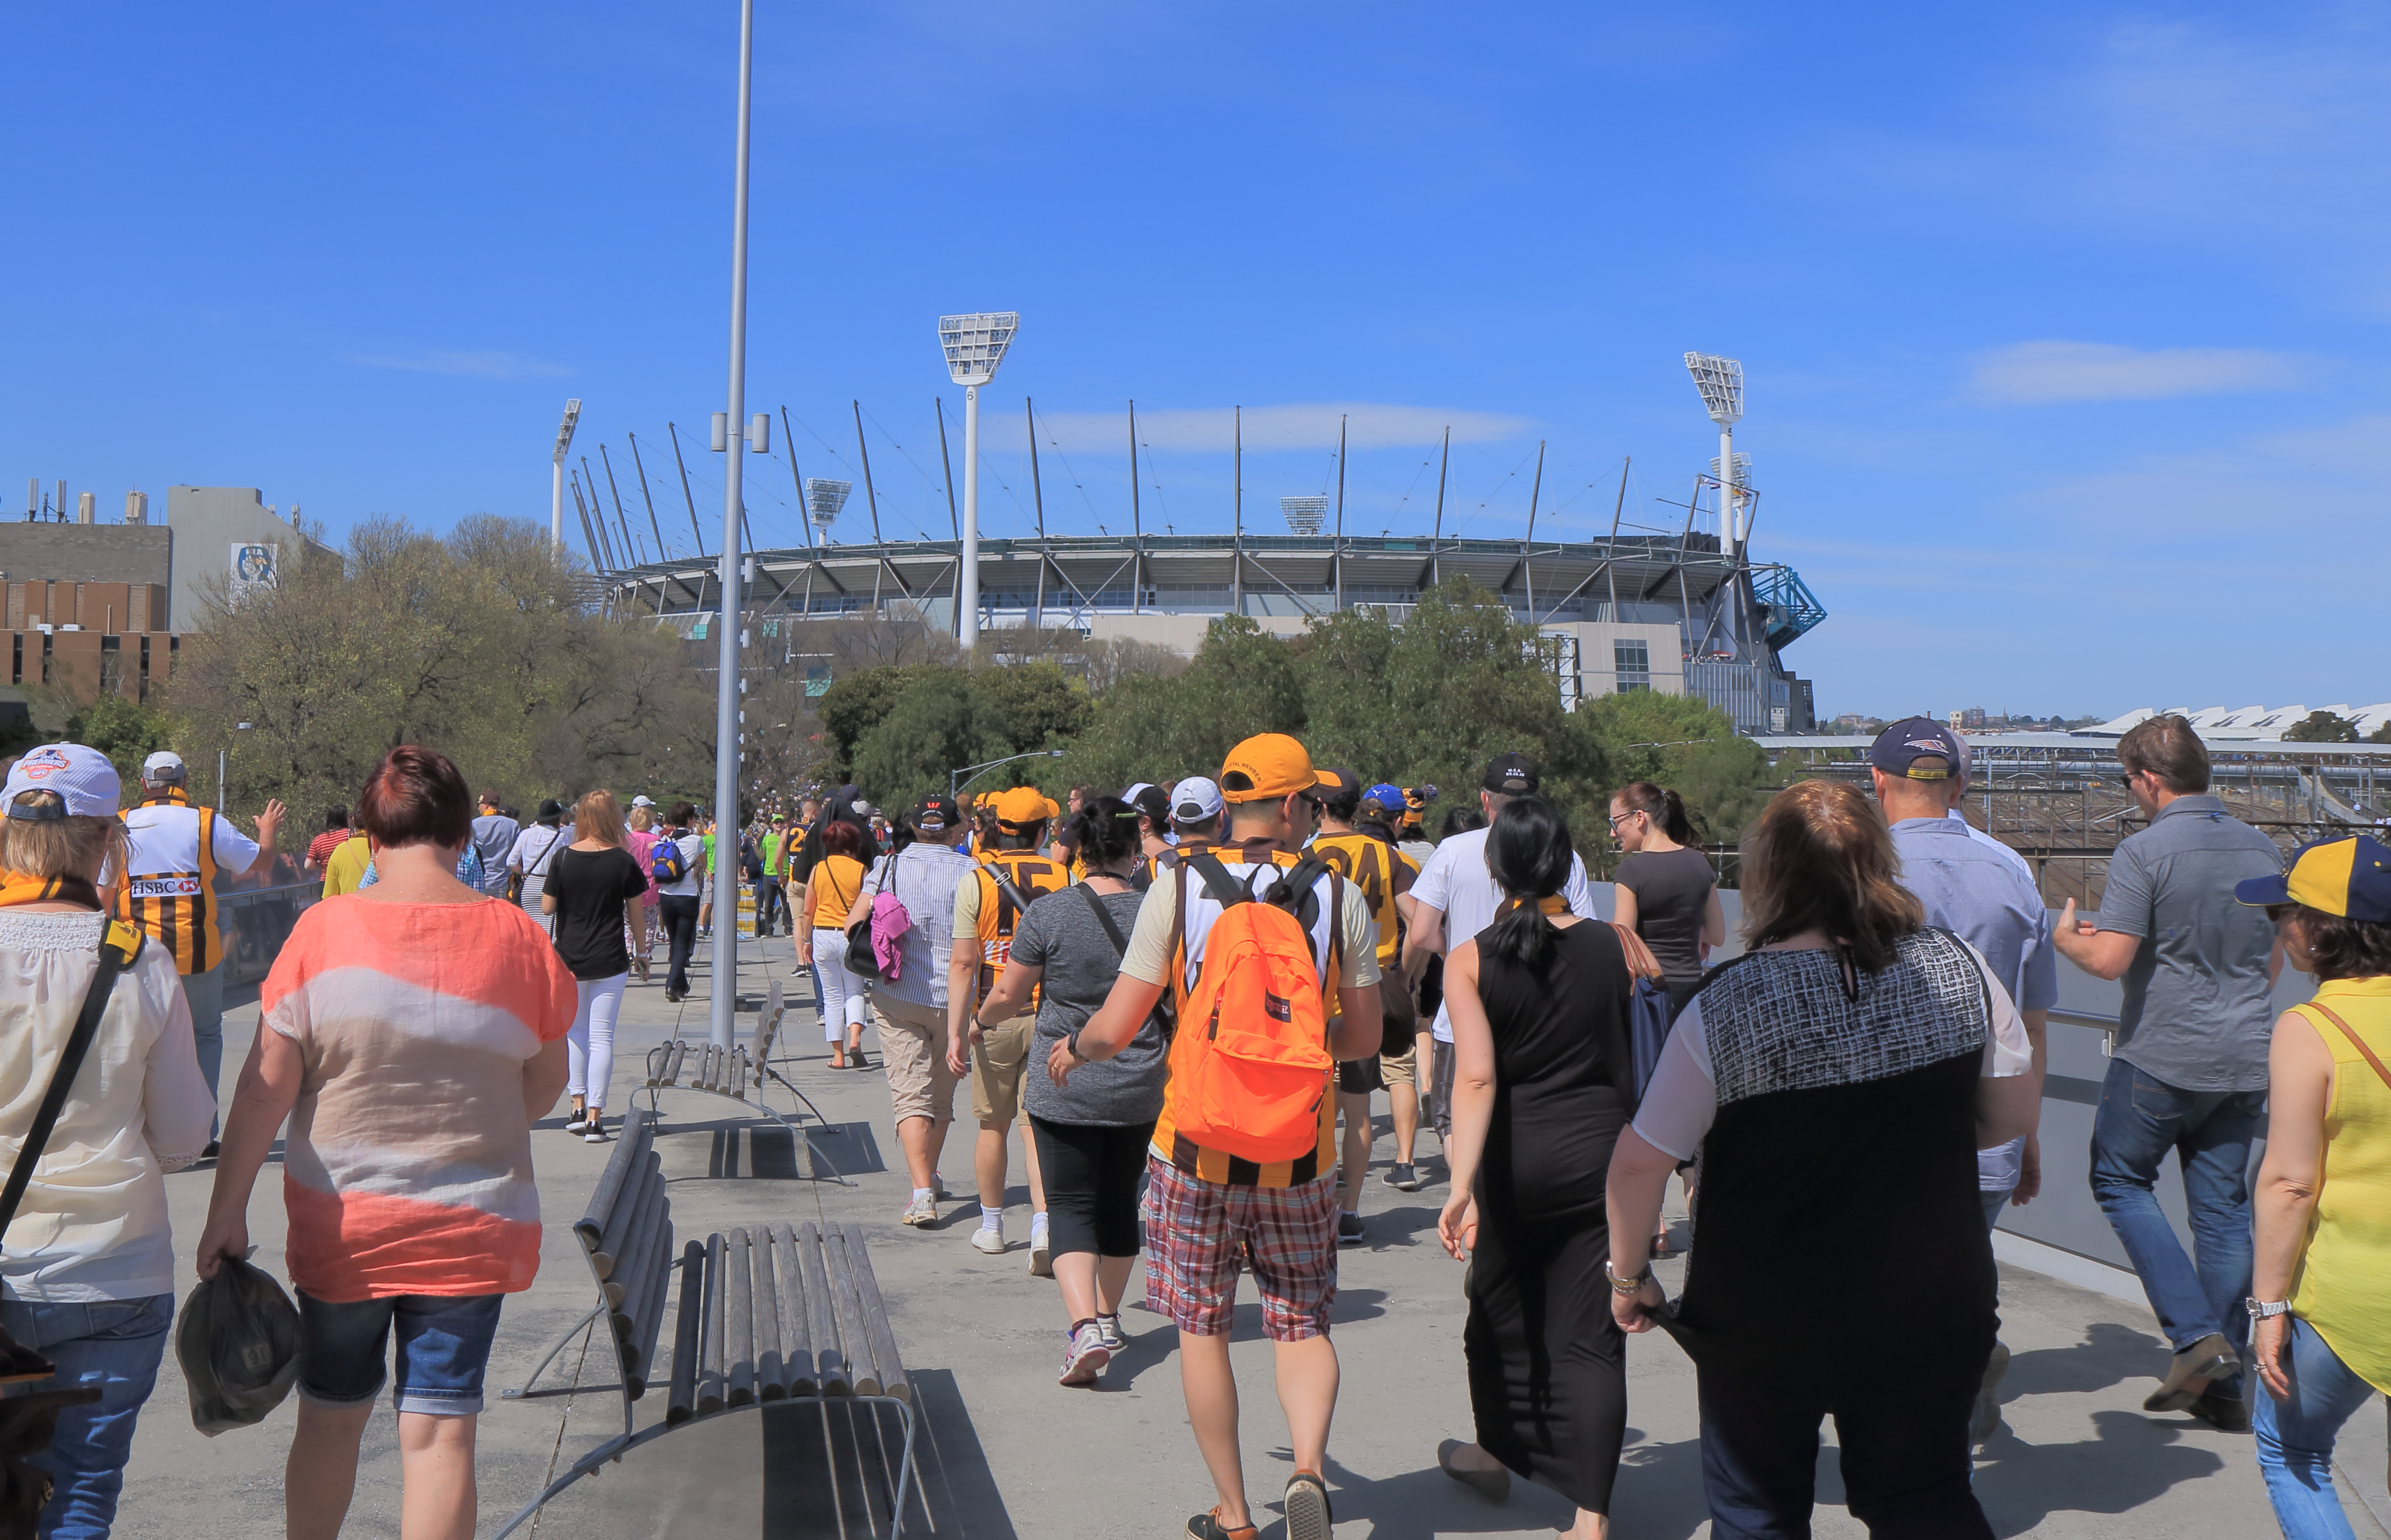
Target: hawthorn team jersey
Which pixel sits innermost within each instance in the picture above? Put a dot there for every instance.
(1381, 872)
(169, 891)
(1035, 876)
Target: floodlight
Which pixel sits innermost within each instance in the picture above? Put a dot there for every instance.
(1721, 383)
(823, 500)
(975, 345)
(1742, 470)
(1304, 515)
(564, 429)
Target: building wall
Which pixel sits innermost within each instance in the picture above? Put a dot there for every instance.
(208, 523)
(1602, 646)
(104, 553)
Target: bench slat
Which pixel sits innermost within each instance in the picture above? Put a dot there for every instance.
(641, 1352)
(629, 1146)
(849, 1306)
(710, 1368)
(681, 1400)
(641, 1271)
(797, 1353)
(821, 1317)
(875, 1319)
(632, 1206)
(741, 1353)
(770, 1367)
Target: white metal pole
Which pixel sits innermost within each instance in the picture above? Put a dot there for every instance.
(723, 1004)
(968, 622)
(555, 505)
(1727, 536)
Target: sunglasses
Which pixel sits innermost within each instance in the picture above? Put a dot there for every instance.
(1616, 818)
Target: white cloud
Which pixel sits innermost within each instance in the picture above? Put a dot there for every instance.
(2029, 373)
(1304, 426)
(470, 366)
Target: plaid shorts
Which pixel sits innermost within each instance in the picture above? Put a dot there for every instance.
(1196, 1230)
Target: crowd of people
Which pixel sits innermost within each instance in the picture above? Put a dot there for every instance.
(1186, 998)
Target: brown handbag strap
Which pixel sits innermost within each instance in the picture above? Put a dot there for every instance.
(1641, 964)
(2354, 1041)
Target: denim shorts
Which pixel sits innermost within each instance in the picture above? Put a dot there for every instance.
(443, 1346)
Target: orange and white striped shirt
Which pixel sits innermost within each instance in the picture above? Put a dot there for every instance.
(407, 1169)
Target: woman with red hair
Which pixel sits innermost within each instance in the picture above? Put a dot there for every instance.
(412, 1032)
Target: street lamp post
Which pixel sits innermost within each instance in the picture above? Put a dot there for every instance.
(958, 779)
(556, 474)
(975, 345)
(1721, 383)
(723, 1001)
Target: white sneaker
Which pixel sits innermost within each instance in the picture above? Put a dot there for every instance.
(1086, 1357)
(577, 1120)
(939, 1185)
(923, 1209)
(592, 1133)
(1110, 1326)
(988, 1240)
(1042, 1254)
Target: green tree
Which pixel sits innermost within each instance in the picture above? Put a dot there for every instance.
(2321, 727)
(943, 722)
(2381, 734)
(1151, 727)
(1037, 705)
(125, 731)
(854, 704)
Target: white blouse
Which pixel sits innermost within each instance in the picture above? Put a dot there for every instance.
(93, 1225)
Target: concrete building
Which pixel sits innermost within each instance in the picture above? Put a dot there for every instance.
(214, 539)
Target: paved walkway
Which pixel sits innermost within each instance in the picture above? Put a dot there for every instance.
(1014, 1455)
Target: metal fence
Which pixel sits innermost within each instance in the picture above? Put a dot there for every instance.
(256, 921)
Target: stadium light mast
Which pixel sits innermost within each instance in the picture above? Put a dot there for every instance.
(975, 345)
(823, 500)
(1721, 383)
(556, 474)
(1304, 515)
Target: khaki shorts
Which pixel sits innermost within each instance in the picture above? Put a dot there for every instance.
(1399, 1069)
(913, 1047)
(998, 1060)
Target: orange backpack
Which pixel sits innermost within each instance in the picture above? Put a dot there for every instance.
(1249, 1064)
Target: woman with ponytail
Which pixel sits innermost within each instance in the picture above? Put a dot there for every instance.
(1541, 1068)
(1666, 891)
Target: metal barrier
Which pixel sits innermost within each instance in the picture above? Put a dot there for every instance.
(255, 922)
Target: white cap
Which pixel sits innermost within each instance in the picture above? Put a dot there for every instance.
(642, 800)
(1196, 799)
(77, 773)
(163, 760)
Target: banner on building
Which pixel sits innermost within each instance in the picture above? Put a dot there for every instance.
(255, 565)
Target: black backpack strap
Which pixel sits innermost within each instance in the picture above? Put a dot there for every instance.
(1104, 918)
(1226, 890)
(119, 945)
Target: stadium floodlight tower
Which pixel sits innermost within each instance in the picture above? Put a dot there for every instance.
(556, 474)
(1304, 515)
(823, 500)
(1721, 383)
(975, 345)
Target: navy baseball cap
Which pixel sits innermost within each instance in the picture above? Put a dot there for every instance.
(1512, 775)
(1899, 749)
(935, 814)
(2350, 877)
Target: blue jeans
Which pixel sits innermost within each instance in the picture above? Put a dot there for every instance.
(115, 1344)
(2140, 1117)
(2295, 1437)
(444, 1348)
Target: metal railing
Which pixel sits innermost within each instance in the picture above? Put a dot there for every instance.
(256, 921)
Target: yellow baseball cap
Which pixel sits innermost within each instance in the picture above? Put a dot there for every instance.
(1264, 768)
(1021, 805)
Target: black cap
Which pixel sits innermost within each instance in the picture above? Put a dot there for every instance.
(1919, 748)
(550, 808)
(935, 814)
(1153, 802)
(1512, 775)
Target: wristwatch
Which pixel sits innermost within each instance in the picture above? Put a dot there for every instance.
(1071, 1042)
(1627, 1286)
(2266, 1310)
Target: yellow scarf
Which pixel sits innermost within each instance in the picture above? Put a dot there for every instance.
(18, 888)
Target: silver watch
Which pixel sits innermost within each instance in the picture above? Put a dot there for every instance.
(2264, 1309)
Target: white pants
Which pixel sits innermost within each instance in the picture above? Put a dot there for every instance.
(842, 994)
(589, 1047)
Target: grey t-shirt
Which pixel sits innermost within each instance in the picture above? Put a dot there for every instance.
(2196, 1012)
(1061, 934)
(494, 837)
(1673, 897)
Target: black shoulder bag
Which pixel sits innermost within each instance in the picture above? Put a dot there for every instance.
(861, 961)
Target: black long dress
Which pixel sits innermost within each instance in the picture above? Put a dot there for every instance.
(1547, 1366)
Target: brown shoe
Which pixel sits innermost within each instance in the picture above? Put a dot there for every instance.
(1208, 1526)
(2210, 1358)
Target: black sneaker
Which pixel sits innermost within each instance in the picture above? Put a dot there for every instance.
(1349, 1231)
(1208, 1526)
(210, 1153)
(1403, 1177)
(1307, 1508)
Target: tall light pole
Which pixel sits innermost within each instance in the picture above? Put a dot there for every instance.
(556, 474)
(975, 345)
(723, 1003)
(1721, 383)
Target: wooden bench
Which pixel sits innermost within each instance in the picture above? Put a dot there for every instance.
(730, 1072)
(775, 1313)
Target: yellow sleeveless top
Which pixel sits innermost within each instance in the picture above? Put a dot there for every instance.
(2340, 1288)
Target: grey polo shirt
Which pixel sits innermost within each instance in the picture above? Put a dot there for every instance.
(1983, 892)
(2196, 1012)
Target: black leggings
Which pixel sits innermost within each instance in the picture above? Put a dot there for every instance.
(1092, 1173)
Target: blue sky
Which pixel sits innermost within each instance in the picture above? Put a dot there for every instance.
(2064, 326)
